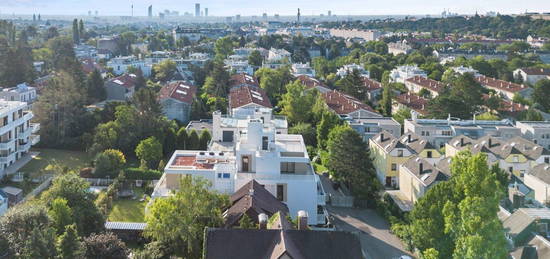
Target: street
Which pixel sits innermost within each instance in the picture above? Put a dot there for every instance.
(376, 240)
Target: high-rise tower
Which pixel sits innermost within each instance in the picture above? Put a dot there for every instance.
(197, 9)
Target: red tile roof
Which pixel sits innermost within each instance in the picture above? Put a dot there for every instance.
(500, 84)
(243, 79)
(371, 84)
(241, 96)
(191, 161)
(537, 71)
(89, 65)
(430, 84)
(179, 90)
(126, 80)
(509, 106)
(343, 103)
(414, 102)
(310, 82)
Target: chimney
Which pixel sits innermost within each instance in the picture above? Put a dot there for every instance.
(420, 168)
(262, 221)
(490, 142)
(461, 141)
(409, 138)
(302, 220)
(381, 137)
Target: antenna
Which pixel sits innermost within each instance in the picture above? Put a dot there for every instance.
(132, 10)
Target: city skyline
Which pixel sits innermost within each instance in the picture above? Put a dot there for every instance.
(250, 8)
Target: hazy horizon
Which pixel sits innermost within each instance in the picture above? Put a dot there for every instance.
(282, 7)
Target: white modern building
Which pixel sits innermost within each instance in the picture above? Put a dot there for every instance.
(400, 47)
(536, 131)
(16, 132)
(463, 70)
(346, 69)
(120, 65)
(402, 73)
(239, 66)
(252, 147)
(278, 55)
(531, 75)
(22, 93)
(299, 69)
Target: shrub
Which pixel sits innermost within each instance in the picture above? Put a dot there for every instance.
(109, 163)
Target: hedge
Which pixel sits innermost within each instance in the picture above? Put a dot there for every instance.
(135, 173)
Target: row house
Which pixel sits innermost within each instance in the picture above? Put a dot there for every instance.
(254, 147)
(536, 131)
(418, 83)
(506, 89)
(538, 179)
(532, 75)
(313, 83)
(507, 107)
(17, 133)
(410, 101)
(416, 177)
(176, 99)
(347, 106)
(516, 155)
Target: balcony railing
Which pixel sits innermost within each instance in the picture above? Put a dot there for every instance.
(35, 127)
(7, 144)
(34, 139)
(7, 158)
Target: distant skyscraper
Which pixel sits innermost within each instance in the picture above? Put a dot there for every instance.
(329, 13)
(264, 16)
(298, 15)
(150, 11)
(238, 18)
(205, 11)
(197, 9)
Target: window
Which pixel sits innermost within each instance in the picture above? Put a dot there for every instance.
(427, 133)
(220, 175)
(227, 136)
(288, 167)
(281, 192)
(226, 176)
(515, 159)
(393, 167)
(400, 153)
(510, 169)
(265, 143)
(547, 160)
(521, 173)
(429, 154)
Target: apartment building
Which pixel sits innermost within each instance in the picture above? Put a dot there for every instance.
(369, 127)
(17, 133)
(349, 68)
(120, 65)
(419, 83)
(439, 132)
(388, 153)
(245, 148)
(367, 35)
(22, 93)
(402, 73)
(532, 75)
(3, 203)
(463, 70)
(397, 48)
(302, 69)
(239, 66)
(506, 89)
(538, 179)
(176, 99)
(536, 131)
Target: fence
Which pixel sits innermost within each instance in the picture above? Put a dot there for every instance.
(38, 189)
(341, 201)
(99, 181)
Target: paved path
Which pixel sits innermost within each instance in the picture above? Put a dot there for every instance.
(13, 168)
(376, 240)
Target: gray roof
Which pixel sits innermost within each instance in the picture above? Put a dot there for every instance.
(416, 142)
(429, 175)
(12, 190)
(501, 148)
(388, 142)
(200, 125)
(110, 225)
(537, 248)
(541, 172)
(522, 218)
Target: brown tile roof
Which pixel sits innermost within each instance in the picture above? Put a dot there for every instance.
(537, 71)
(191, 161)
(344, 104)
(179, 90)
(414, 102)
(126, 80)
(243, 80)
(509, 106)
(274, 243)
(89, 65)
(241, 96)
(430, 84)
(500, 84)
(252, 199)
(310, 82)
(371, 84)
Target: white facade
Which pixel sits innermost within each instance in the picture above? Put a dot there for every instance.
(397, 48)
(402, 73)
(239, 66)
(539, 186)
(536, 131)
(346, 69)
(22, 93)
(463, 70)
(252, 147)
(120, 65)
(16, 132)
(299, 69)
(278, 55)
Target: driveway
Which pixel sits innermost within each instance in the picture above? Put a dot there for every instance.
(373, 231)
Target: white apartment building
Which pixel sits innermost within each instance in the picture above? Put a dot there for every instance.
(402, 73)
(346, 69)
(531, 75)
(252, 147)
(299, 69)
(463, 70)
(397, 48)
(120, 65)
(278, 55)
(538, 179)
(536, 131)
(16, 132)
(367, 35)
(22, 93)
(239, 66)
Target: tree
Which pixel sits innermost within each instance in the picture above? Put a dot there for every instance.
(74, 190)
(541, 95)
(109, 163)
(105, 245)
(530, 115)
(164, 70)
(204, 139)
(149, 150)
(246, 222)
(349, 162)
(69, 245)
(76, 32)
(329, 120)
(297, 103)
(61, 214)
(218, 80)
(95, 87)
(28, 231)
(223, 48)
(352, 84)
(193, 140)
(141, 82)
(255, 58)
(181, 138)
(178, 221)
(461, 100)
(402, 114)
(386, 102)
(307, 131)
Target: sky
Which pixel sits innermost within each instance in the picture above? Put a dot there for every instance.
(282, 7)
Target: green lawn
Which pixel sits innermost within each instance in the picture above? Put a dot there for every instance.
(129, 210)
(69, 158)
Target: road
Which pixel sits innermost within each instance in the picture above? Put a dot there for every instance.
(376, 240)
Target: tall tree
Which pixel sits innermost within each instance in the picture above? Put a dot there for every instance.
(204, 138)
(462, 99)
(95, 87)
(386, 102)
(297, 103)
(76, 32)
(223, 48)
(81, 30)
(69, 245)
(61, 214)
(150, 151)
(255, 58)
(179, 220)
(541, 95)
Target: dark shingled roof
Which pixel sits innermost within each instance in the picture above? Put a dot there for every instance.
(429, 175)
(416, 143)
(252, 199)
(537, 248)
(273, 243)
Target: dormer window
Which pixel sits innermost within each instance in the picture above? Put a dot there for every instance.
(400, 153)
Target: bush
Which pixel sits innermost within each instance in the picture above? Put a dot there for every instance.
(108, 163)
(135, 173)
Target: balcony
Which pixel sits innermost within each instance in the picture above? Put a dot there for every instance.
(35, 127)
(34, 139)
(24, 134)
(321, 194)
(25, 147)
(7, 158)
(4, 145)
